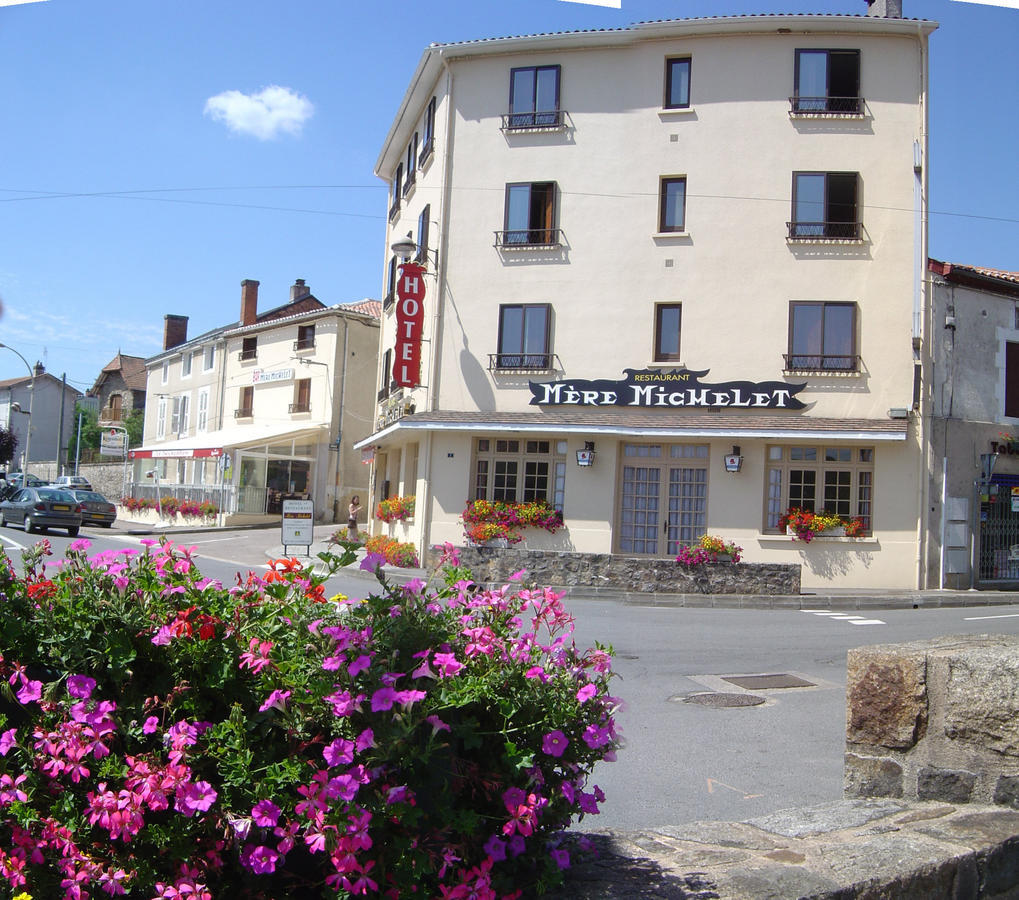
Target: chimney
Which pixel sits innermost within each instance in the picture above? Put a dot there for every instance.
(885, 9)
(175, 331)
(39, 369)
(249, 301)
(299, 290)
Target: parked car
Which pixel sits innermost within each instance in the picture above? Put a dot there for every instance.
(95, 508)
(72, 483)
(37, 508)
(15, 480)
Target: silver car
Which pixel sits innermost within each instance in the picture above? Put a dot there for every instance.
(39, 508)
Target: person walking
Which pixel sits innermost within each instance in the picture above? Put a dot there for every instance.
(355, 508)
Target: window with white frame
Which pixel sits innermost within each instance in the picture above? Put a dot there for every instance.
(520, 470)
(202, 417)
(185, 365)
(833, 479)
(185, 415)
(161, 419)
(166, 371)
(209, 358)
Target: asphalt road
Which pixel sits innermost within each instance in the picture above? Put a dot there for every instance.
(683, 761)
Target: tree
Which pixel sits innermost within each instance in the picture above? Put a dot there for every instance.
(8, 444)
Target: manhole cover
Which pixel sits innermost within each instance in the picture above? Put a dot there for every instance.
(766, 682)
(722, 701)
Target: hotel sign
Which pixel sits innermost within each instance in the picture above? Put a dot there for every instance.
(654, 388)
(410, 317)
(260, 376)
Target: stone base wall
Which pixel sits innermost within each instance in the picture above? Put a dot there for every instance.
(935, 720)
(602, 570)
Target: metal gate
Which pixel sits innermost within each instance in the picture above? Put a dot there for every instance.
(998, 549)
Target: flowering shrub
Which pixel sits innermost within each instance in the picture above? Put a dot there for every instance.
(504, 520)
(395, 552)
(162, 736)
(805, 524)
(340, 536)
(707, 549)
(395, 509)
(172, 507)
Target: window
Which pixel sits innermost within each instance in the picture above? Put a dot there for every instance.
(534, 98)
(825, 205)
(667, 321)
(302, 396)
(827, 81)
(1011, 379)
(184, 423)
(428, 133)
(837, 480)
(305, 337)
(677, 83)
(422, 255)
(822, 336)
(672, 209)
(249, 349)
(209, 359)
(394, 205)
(386, 375)
(166, 372)
(161, 419)
(519, 470)
(390, 283)
(202, 419)
(524, 332)
(185, 365)
(412, 157)
(530, 216)
(246, 403)
(175, 417)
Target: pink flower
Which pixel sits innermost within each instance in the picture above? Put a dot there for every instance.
(29, 691)
(383, 699)
(561, 858)
(447, 664)
(537, 672)
(256, 657)
(7, 740)
(276, 700)
(197, 796)
(339, 753)
(80, 686)
(586, 693)
(554, 743)
(80, 544)
(372, 562)
(151, 725)
(358, 665)
(265, 813)
(596, 736)
(261, 860)
(495, 848)
(437, 724)
(364, 740)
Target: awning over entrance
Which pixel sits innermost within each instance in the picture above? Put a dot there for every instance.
(214, 443)
(648, 424)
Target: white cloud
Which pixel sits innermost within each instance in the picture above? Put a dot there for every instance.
(272, 111)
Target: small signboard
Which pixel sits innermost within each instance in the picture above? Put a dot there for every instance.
(112, 443)
(298, 519)
(1015, 499)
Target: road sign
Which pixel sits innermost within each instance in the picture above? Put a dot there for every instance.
(112, 443)
(298, 519)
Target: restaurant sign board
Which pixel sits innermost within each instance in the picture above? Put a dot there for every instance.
(655, 388)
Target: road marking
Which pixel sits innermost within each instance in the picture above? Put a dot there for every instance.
(12, 542)
(844, 617)
(867, 622)
(714, 781)
(978, 618)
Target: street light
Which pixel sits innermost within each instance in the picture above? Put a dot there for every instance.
(31, 402)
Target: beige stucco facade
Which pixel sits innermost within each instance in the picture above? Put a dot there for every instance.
(725, 273)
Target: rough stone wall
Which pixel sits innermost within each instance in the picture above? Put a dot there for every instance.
(566, 569)
(107, 478)
(935, 720)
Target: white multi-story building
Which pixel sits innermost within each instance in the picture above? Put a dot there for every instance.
(264, 409)
(671, 244)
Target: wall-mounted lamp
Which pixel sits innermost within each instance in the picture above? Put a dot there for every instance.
(407, 248)
(734, 461)
(898, 412)
(585, 457)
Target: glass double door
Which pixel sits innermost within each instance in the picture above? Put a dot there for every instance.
(661, 508)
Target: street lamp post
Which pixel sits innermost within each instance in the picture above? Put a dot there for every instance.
(31, 403)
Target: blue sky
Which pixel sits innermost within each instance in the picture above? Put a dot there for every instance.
(145, 169)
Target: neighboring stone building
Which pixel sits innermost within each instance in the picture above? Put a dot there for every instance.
(675, 286)
(972, 379)
(263, 409)
(51, 419)
(120, 388)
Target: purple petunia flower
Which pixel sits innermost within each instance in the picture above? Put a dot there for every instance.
(29, 691)
(151, 725)
(586, 693)
(495, 847)
(561, 858)
(372, 562)
(265, 813)
(554, 743)
(7, 740)
(339, 753)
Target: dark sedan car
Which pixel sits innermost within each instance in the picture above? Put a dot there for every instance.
(41, 508)
(95, 508)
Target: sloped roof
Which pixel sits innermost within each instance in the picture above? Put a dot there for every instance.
(131, 369)
(999, 280)
(371, 308)
(42, 376)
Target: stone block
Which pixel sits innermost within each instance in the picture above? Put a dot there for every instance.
(872, 776)
(886, 697)
(1006, 791)
(982, 698)
(945, 785)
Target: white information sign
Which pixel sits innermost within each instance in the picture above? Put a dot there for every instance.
(112, 443)
(298, 519)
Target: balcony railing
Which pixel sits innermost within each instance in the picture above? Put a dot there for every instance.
(388, 300)
(524, 238)
(813, 231)
(394, 210)
(299, 408)
(304, 344)
(409, 183)
(541, 362)
(245, 412)
(827, 106)
(107, 414)
(247, 355)
(544, 120)
(824, 362)
(426, 151)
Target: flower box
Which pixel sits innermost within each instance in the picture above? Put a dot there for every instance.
(837, 531)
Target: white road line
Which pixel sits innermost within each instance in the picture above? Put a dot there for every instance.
(844, 617)
(867, 622)
(978, 618)
(12, 542)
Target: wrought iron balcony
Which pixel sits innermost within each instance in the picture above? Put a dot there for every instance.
(820, 231)
(304, 344)
(243, 413)
(299, 408)
(247, 355)
(543, 120)
(409, 182)
(533, 362)
(826, 106)
(426, 151)
(823, 362)
(394, 210)
(527, 238)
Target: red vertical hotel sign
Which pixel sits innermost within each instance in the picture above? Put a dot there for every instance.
(410, 291)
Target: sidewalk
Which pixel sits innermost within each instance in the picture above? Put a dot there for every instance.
(809, 599)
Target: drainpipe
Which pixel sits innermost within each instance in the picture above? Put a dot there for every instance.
(339, 422)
